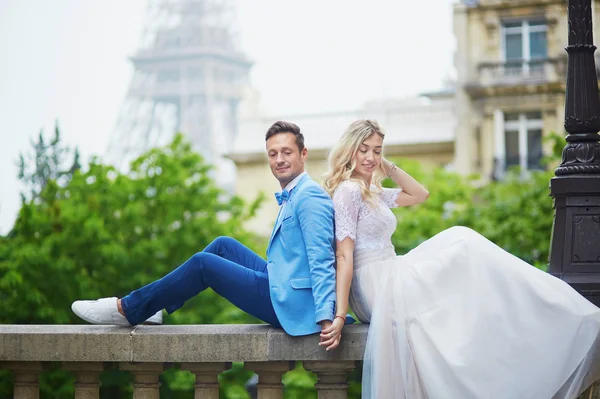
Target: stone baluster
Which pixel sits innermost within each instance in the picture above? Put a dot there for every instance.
(145, 379)
(207, 378)
(592, 392)
(87, 378)
(269, 378)
(333, 375)
(26, 379)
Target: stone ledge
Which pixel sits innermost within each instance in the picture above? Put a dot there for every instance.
(170, 343)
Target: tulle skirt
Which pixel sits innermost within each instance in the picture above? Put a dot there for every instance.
(460, 318)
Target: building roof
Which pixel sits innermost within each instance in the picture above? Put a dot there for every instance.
(416, 120)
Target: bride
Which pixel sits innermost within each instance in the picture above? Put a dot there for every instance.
(457, 317)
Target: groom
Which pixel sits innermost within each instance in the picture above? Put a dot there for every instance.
(293, 289)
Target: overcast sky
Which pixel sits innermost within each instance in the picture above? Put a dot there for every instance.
(66, 60)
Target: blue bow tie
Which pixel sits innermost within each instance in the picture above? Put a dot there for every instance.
(282, 196)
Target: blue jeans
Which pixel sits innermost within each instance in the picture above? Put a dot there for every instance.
(228, 267)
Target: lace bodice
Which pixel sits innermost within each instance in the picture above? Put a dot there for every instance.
(369, 227)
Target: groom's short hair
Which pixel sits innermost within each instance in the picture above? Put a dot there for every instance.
(286, 127)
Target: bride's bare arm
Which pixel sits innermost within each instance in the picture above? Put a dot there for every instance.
(412, 193)
(344, 261)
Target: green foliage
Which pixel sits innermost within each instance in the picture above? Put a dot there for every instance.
(515, 213)
(6, 384)
(299, 383)
(450, 194)
(232, 382)
(104, 233)
(56, 383)
(116, 384)
(45, 164)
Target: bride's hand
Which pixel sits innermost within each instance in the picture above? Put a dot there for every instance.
(331, 335)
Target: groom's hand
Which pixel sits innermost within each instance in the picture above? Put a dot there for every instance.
(325, 324)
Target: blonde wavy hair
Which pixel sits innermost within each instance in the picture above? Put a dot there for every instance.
(342, 162)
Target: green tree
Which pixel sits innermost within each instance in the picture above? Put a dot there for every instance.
(106, 233)
(450, 194)
(48, 162)
(515, 213)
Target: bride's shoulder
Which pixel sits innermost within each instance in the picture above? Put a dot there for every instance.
(348, 185)
(348, 188)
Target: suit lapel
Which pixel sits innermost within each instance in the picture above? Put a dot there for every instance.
(288, 206)
(276, 227)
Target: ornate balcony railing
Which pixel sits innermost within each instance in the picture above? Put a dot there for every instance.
(204, 350)
(517, 72)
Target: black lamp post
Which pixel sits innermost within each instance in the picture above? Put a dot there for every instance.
(575, 245)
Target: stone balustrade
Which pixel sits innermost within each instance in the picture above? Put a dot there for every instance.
(515, 72)
(204, 350)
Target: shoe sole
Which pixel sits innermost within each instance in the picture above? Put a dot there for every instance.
(151, 323)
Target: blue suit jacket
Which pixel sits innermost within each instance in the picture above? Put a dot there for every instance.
(301, 260)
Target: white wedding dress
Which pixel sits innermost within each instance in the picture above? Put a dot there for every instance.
(460, 318)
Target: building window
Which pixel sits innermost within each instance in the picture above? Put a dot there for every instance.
(167, 75)
(525, 47)
(196, 73)
(520, 142)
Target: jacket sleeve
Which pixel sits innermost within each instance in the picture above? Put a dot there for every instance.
(315, 216)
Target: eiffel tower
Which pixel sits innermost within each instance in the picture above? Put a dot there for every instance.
(189, 77)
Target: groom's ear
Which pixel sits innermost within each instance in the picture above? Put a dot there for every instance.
(304, 154)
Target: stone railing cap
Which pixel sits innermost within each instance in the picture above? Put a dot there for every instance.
(170, 343)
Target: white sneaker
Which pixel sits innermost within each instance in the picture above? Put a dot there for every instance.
(105, 311)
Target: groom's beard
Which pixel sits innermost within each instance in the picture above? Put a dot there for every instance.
(286, 176)
(284, 181)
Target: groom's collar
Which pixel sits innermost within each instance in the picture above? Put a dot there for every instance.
(294, 182)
